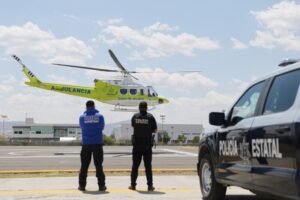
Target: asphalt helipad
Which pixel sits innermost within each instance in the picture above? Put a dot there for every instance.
(64, 188)
(41, 158)
(67, 157)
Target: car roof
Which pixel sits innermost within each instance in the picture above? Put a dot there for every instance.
(279, 71)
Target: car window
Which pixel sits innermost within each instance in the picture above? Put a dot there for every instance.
(246, 105)
(283, 92)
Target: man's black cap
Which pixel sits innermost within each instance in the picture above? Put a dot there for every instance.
(143, 106)
(90, 104)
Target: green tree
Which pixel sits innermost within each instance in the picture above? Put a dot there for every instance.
(113, 137)
(181, 138)
(109, 140)
(165, 137)
(196, 140)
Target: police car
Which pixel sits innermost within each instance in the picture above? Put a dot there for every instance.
(257, 146)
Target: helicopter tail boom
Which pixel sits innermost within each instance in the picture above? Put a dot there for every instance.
(81, 91)
(32, 78)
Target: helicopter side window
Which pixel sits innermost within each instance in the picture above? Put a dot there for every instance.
(133, 91)
(142, 92)
(149, 94)
(123, 91)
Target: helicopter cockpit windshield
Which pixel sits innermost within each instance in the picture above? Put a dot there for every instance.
(151, 92)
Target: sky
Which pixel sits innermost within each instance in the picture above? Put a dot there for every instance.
(231, 42)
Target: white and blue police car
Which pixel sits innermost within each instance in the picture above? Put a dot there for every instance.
(257, 146)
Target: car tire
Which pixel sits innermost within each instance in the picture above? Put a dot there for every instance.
(210, 188)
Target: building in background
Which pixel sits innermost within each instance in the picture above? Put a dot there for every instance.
(44, 133)
(190, 131)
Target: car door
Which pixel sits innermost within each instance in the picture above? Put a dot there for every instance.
(273, 136)
(234, 156)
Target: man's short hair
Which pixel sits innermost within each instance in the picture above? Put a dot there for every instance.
(143, 106)
(90, 104)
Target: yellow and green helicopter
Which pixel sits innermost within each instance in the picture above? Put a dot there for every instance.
(121, 93)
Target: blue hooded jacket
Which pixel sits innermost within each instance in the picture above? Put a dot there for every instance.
(92, 124)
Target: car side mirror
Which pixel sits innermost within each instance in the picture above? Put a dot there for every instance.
(217, 118)
(236, 119)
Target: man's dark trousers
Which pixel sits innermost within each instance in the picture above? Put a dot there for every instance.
(86, 155)
(138, 153)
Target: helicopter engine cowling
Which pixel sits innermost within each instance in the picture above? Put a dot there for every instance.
(100, 84)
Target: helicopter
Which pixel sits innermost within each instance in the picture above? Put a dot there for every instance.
(123, 94)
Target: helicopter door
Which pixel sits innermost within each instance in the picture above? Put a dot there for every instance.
(142, 91)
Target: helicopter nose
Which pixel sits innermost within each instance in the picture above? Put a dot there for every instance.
(161, 101)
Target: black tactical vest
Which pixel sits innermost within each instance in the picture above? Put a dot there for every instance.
(143, 128)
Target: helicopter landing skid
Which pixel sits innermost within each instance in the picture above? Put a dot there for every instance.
(124, 109)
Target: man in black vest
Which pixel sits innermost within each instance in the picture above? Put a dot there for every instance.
(144, 124)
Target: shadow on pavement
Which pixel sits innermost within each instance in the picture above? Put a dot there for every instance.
(152, 192)
(241, 197)
(95, 192)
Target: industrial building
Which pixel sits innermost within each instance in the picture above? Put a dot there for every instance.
(124, 131)
(44, 133)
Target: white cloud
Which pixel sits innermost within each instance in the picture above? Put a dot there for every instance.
(186, 110)
(196, 110)
(153, 42)
(8, 79)
(236, 44)
(176, 81)
(111, 21)
(61, 80)
(47, 107)
(5, 88)
(159, 27)
(29, 39)
(7, 83)
(73, 17)
(280, 26)
(5, 59)
(240, 85)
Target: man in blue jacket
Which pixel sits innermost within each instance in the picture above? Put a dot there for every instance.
(92, 124)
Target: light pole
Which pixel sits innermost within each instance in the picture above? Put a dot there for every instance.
(3, 119)
(172, 127)
(162, 117)
(127, 133)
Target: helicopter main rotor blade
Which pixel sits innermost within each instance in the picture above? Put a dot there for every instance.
(84, 67)
(140, 72)
(115, 59)
(133, 76)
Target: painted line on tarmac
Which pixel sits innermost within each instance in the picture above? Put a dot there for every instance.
(15, 155)
(181, 152)
(93, 170)
(77, 192)
(24, 157)
(78, 157)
